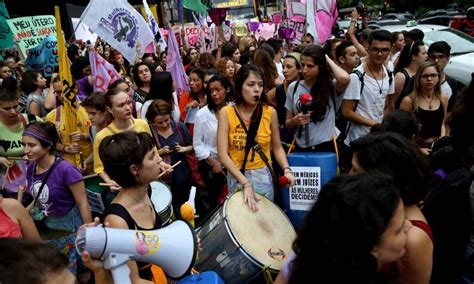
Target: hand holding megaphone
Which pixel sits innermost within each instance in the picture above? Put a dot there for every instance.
(173, 248)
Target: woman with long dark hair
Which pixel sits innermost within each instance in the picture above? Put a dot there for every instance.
(161, 87)
(248, 161)
(219, 91)
(314, 117)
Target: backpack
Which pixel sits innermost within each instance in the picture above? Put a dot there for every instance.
(449, 210)
(406, 89)
(342, 123)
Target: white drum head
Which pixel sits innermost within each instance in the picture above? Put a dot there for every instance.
(267, 235)
(160, 196)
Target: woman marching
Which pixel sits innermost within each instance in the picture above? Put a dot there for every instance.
(57, 187)
(246, 134)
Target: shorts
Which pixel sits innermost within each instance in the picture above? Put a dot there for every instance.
(261, 179)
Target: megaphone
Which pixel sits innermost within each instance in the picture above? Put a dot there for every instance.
(173, 248)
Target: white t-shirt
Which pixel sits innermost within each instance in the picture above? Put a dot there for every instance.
(205, 134)
(319, 131)
(446, 88)
(371, 103)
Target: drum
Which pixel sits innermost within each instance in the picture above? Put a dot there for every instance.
(238, 244)
(161, 198)
(96, 194)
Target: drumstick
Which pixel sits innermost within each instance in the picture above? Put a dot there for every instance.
(163, 173)
(17, 159)
(20, 193)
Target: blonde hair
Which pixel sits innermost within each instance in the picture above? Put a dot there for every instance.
(415, 95)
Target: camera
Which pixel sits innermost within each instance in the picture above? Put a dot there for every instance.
(361, 8)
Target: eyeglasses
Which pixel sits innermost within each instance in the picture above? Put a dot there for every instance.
(432, 76)
(376, 50)
(437, 57)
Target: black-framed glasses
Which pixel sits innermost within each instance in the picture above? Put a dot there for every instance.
(376, 50)
(432, 75)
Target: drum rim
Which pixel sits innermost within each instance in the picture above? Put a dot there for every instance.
(234, 238)
(169, 190)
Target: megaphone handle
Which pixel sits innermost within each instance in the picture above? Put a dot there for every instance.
(117, 263)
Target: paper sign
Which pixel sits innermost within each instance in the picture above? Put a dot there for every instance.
(30, 31)
(95, 201)
(277, 18)
(241, 30)
(266, 30)
(306, 189)
(44, 57)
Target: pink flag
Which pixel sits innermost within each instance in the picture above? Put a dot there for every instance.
(174, 65)
(103, 72)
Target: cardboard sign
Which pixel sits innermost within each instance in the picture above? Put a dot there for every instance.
(29, 32)
(44, 57)
(306, 189)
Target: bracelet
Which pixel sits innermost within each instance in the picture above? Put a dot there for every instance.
(353, 21)
(287, 168)
(245, 184)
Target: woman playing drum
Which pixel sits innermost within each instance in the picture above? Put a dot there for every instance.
(233, 121)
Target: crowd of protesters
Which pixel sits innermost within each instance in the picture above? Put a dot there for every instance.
(382, 102)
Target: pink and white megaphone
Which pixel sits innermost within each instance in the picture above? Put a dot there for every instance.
(173, 248)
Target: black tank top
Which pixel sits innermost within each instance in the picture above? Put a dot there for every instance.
(431, 121)
(144, 269)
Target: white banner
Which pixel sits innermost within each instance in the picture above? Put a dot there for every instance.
(119, 24)
(82, 31)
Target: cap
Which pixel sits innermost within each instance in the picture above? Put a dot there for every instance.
(296, 56)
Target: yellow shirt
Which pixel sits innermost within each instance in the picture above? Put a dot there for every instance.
(238, 138)
(139, 125)
(83, 125)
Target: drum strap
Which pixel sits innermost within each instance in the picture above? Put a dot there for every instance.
(251, 142)
(251, 132)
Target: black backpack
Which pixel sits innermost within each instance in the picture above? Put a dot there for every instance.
(449, 210)
(406, 89)
(343, 124)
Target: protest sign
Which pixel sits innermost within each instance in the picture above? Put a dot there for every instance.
(30, 31)
(241, 29)
(298, 25)
(44, 57)
(266, 30)
(6, 37)
(191, 35)
(277, 18)
(306, 189)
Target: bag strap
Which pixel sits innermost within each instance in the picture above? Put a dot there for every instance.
(362, 84)
(45, 179)
(154, 132)
(251, 132)
(180, 134)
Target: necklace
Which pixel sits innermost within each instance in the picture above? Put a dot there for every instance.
(375, 78)
(430, 101)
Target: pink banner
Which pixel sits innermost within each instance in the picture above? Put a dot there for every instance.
(103, 72)
(175, 66)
